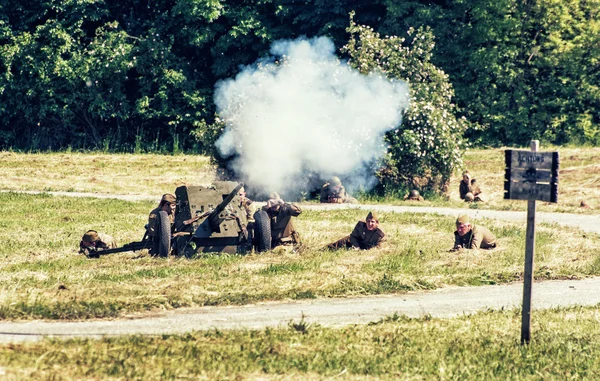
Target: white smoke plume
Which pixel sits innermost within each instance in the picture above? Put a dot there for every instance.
(303, 111)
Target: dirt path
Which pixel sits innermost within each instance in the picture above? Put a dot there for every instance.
(588, 223)
(447, 302)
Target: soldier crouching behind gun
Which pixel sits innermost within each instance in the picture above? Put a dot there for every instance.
(333, 192)
(280, 213)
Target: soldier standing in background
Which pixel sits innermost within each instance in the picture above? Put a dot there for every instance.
(366, 235)
(469, 191)
(280, 214)
(333, 192)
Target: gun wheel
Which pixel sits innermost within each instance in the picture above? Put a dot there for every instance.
(164, 234)
(262, 231)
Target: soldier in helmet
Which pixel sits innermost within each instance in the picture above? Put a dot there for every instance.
(94, 241)
(366, 235)
(333, 192)
(280, 213)
(469, 190)
(468, 236)
(414, 195)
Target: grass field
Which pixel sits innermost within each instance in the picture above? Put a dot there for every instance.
(42, 276)
(157, 174)
(565, 346)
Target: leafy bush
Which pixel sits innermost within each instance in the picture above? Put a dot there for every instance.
(427, 147)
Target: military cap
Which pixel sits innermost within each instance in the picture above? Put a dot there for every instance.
(335, 181)
(274, 195)
(90, 236)
(372, 216)
(462, 219)
(167, 197)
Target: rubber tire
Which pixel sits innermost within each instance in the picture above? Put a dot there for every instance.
(262, 231)
(164, 234)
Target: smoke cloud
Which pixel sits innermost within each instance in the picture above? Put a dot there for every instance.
(303, 111)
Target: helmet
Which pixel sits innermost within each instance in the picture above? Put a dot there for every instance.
(414, 194)
(335, 181)
(469, 197)
(90, 236)
(274, 195)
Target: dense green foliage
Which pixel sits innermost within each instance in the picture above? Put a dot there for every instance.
(521, 69)
(427, 147)
(136, 75)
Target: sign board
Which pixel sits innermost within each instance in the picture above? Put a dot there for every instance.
(531, 175)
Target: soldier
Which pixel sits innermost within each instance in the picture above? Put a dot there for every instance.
(250, 209)
(469, 191)
(414, 195)
(94, 241)
(469, 236)
(167, 204)
(333, 192)
(282, 229)
(366, 235)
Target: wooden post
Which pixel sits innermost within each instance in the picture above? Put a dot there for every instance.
(528, 273)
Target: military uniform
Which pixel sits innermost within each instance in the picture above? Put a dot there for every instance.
(152, 227)
(473, 189)
(282, 228)
(153, 221)
(477, 237)
(99, 241)
(360, 238)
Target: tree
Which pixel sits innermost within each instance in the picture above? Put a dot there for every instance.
(427, 147)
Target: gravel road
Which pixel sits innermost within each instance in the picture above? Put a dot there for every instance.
(447, 302)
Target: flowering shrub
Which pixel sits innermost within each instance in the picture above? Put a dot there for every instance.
(426, 148)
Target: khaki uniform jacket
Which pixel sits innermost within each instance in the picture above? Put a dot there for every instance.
(282, 228)
(332, 195)
(250, 209)
(478, 237)
(465, 188)
(153, 222)
(364, 238)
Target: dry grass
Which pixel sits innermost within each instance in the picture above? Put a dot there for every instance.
(579, 179)
(146, 174)
(43, 277)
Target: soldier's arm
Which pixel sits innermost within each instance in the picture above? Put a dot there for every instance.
(380, 239)
(457, 244)
(463, 189)
(476, 239)
(292, 209)
(323, 197)
(355, 237)
(152, 224)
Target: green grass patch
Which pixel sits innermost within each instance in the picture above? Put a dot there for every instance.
(42, 276)
(485, 346)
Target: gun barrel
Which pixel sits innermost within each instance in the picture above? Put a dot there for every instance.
(132, 246)
(215, 217)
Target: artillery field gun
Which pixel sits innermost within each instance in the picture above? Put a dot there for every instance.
(219, 224)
